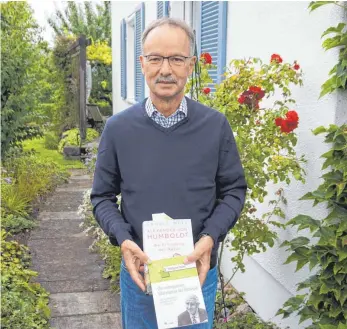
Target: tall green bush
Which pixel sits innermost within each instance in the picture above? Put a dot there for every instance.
(21, 52)
(325, 303)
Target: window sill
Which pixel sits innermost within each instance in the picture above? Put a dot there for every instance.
(131, 101)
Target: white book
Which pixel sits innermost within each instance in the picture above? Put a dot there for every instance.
(176, 290)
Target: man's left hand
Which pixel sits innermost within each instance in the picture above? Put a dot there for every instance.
(202, 256)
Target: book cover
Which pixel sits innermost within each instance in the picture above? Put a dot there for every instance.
(175, 286)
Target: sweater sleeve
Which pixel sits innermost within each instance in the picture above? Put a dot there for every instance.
(106, 187)
(231, 188)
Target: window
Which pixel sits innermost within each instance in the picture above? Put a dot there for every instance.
(123, 54)
(163, 9)
(211, 34)
(139, 78)
(132, 79)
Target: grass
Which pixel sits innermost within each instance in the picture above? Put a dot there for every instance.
(38, 144)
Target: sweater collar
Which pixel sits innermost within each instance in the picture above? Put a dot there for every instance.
(150, 108)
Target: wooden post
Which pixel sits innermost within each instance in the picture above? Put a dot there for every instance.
(82, 87)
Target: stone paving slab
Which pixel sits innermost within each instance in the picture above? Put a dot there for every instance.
(70, 189)
(67, 199)
(78, 285)
(66, 251)
(77, 303)
(54, 228)
(80, 177)
(69, 272)
(90, 321)
(61, 206)
(59, 215)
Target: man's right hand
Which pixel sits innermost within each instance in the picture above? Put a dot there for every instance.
(134, 259)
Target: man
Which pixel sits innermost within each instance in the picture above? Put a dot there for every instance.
(167, 154)
(193, 314)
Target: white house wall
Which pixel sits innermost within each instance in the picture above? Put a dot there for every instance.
(259, 29)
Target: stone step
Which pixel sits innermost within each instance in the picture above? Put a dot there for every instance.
(71, 188)
(65, 258)
(59, 215)
(80, 177)
(90, 321)
(78, 285)
(78, 303)
(58, 228)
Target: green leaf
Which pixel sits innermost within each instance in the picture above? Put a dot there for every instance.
(296, 242)
(327, 236)
(327, 326)
(342, 254)
(303, 222)
(319, 130)
(337, 29)
(316, 4)
(307, 313)
(339, 278)
(340, 187)
(342, 325)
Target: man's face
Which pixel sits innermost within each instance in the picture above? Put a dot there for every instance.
(192, 306)
(167, 80)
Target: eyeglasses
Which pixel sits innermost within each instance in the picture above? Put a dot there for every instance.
(157, 60)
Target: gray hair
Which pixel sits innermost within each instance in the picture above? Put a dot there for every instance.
(192, 298)
(175, 23)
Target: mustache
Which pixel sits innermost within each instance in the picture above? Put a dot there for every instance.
(165, 79)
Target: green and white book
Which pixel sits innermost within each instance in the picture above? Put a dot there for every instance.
(176, 290)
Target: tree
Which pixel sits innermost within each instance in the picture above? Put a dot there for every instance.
(94, 22)
(22, 51)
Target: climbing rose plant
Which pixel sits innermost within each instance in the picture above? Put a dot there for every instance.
(256, 99)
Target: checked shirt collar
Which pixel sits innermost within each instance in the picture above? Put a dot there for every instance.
(174, 118)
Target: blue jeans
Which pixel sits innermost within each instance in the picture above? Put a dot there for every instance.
(138, 308)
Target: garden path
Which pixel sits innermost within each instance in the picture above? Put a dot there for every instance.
(79, 297)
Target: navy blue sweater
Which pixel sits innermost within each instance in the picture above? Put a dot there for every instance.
(190, 170)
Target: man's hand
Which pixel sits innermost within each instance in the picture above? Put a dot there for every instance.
(134, 259)
(202, 256)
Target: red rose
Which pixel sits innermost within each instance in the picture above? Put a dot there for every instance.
(277, 58)
(259, 94)
(241, 99)
(292, 116)
(206, 57)
(296, 66)
(255, 89)
(206, 90)
(290, 123)
(278, 122)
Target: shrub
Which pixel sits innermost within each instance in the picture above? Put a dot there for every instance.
(246, 321)
(15, 224)
(71, 137)
(28, 178)
(325, 300)
(265, 137)
(24, 304)
(51, 141)
(33, 176)
(37, 146)
(101, 244)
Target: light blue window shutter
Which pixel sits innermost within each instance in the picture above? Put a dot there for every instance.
(163, 8)
(212, 35)
(160, 9)
(167, 8)
(139, 78)
(123, 65)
